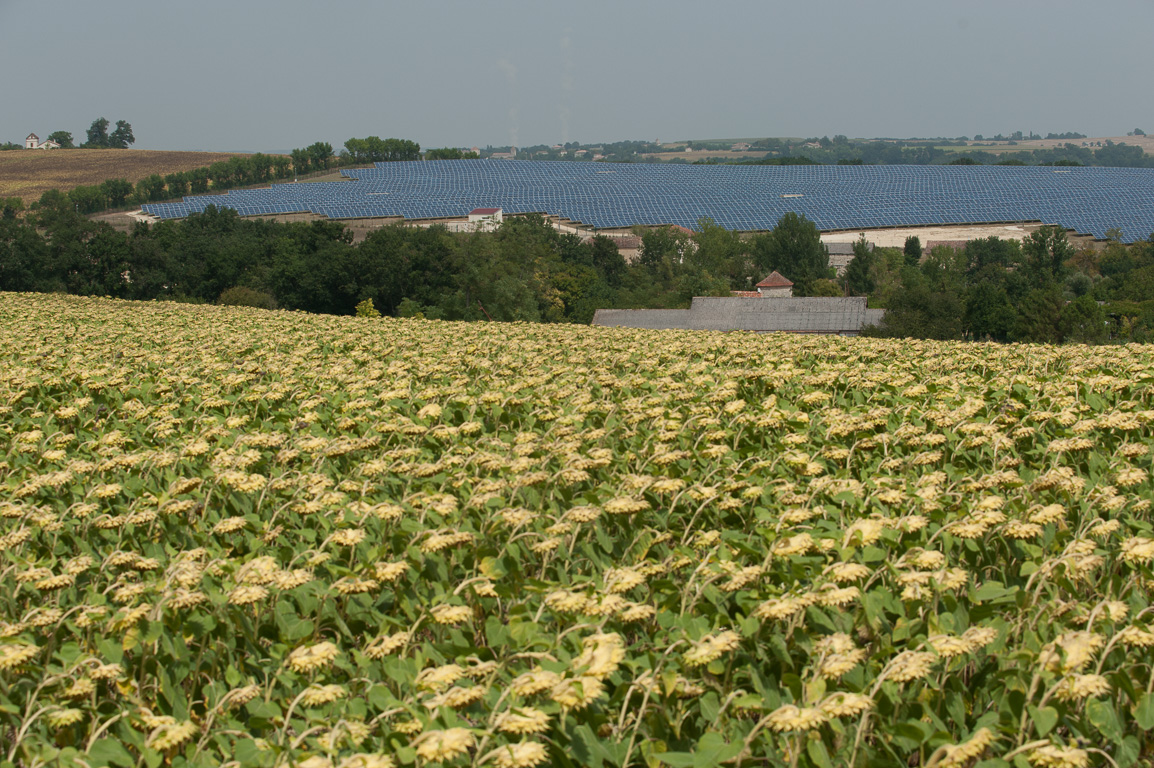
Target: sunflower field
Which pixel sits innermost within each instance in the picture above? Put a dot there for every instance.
(239, 537)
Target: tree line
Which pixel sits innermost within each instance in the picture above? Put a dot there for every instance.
(237, 171)
(844, 151)
(525, 270)
(1039, 289)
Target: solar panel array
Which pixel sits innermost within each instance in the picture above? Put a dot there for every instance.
(610, 195)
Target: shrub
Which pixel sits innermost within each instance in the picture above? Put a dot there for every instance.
(367, 309)
(240, 296)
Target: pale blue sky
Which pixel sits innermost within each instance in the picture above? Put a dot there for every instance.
(259, 75)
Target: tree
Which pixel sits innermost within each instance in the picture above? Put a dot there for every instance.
(723, 254)
(98, 136)
(117, 191)
(983, 252)
(150, 189)
(450, 153)
(913, 250)
(98, 133)
(608, 261)
(282, 166)
(794, 249)
(301, 161)
(63, 138)
(1044, 255)
(825, 287)
(11, 206)
(662, 245)
(918, 312)
(261, 167)
(320, 154)
(988, 312)
(177, 184)
(1039, 313)
(221, 174)
(122, 136)
(859, 280)
(88, 199)
(198, 179)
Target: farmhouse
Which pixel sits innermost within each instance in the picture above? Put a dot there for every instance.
(841, 254)
(33, 142)
(774, 286)
(629, 246)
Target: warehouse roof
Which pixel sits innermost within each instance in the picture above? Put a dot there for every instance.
(792, 314)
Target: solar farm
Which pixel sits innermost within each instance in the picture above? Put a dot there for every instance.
(1089, 201)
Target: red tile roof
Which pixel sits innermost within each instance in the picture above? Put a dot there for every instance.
(775, 280)
(483, 211)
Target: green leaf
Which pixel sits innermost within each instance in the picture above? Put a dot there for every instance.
(1045, 718)
(112, 752)
(292, 626)
(246, 752)
(586, 747)
(818, 754)
(993, 591)
(1144, 712)
(709, 706)
(713, 750)
(1105, 719)
(152, 758)
(381, 697)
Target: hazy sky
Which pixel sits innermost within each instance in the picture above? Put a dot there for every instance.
(259, 75)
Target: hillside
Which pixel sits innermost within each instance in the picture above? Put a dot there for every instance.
(28, 174)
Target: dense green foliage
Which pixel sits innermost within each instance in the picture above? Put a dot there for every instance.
(63, 138)
(1042, 289)
(377, 150)
(526, 270)
(450, 153)
(100, 138)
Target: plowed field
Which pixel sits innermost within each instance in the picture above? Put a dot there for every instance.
(28, 173)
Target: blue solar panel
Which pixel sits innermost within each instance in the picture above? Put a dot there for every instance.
(1088, 200)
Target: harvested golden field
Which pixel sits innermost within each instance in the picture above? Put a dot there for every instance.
(279, 539)
(28, 174)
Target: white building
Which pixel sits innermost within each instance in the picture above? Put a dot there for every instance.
(33, 142)
(485, 219)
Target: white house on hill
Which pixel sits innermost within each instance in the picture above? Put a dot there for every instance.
(33, 142)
